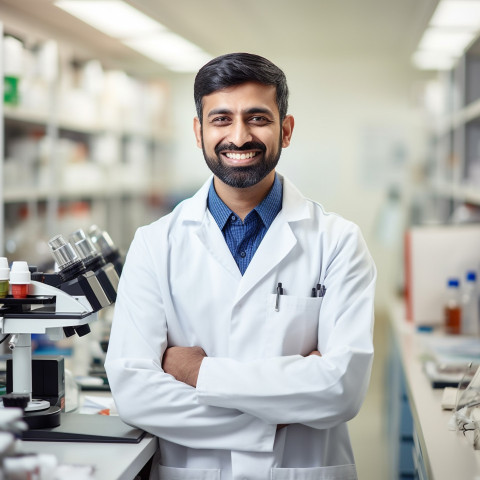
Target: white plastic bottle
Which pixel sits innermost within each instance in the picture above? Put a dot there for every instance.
(20, 278)
(470, 305)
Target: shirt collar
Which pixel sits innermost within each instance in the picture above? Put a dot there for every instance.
(267, 209)
(218, 209)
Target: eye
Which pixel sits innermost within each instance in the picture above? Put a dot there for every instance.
(260, 120)
(221, 120)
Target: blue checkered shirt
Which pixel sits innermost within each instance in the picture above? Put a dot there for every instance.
(243, 238)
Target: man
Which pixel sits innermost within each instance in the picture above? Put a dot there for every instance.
(242, 335)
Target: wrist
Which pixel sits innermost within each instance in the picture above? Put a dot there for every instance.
(192, 377)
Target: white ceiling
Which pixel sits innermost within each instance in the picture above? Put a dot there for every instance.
(382, 29)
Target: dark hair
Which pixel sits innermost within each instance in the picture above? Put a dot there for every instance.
(235, 69)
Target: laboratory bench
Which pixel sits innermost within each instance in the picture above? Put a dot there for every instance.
(421, 444)
(111, 461)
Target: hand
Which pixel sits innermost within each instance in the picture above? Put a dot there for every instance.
(183, 363)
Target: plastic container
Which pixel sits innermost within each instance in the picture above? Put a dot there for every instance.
(20, 278)
(470, 305)
(13, 54)
(453, 309)
(4, 277)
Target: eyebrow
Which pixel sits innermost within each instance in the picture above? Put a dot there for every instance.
(249, 111)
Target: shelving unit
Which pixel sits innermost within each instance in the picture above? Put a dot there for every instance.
(454, 178)
(2, 181)
(78, 154)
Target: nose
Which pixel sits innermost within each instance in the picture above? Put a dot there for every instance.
(239, 133)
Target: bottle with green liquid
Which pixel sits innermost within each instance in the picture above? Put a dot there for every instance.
(4, 277)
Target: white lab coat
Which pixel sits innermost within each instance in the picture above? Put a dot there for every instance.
(181, 286)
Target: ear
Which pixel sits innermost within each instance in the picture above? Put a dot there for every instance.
(197, 129)
(287, 130)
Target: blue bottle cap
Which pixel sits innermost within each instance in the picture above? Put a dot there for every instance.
(471, 276)
(453, 282)
(424, 328)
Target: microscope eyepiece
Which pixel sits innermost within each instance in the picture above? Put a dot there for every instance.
(90, 256)
(104, 244)
(64, 255)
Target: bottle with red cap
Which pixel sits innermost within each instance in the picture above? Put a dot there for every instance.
(20, 278)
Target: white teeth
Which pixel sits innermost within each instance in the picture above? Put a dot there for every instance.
(242, 156)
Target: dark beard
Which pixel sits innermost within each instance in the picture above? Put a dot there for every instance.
(246, 176)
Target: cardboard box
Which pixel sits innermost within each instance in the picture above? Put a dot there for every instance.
(432, 255)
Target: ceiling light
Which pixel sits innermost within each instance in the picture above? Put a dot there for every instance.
(170, 49)
(433, 61)
(448, 41)
(464, 14)
(116, 19)
(139, 32)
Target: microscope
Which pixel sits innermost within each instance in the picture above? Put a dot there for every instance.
(59, 304)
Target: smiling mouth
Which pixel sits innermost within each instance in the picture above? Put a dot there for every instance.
(241, 156)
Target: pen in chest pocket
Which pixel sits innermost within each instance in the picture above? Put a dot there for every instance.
(321, 290)
(277, 300)
(318, 291)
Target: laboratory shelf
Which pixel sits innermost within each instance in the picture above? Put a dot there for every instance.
(24, 195)
(93, 127)
(471, 112)
(105, 192)
(462, 193)
(22, 115)
(445, 123)
(455, 134)
(64, 144)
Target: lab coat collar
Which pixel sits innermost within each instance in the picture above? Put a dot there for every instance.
(270, 252)
(294, 207)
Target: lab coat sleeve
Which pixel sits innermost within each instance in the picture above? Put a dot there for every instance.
(321, 392)
(145, 395)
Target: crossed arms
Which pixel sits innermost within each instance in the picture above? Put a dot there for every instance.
(184, 363)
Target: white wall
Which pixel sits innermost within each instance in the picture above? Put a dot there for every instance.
(357, 132)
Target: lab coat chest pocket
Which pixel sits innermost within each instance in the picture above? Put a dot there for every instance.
(293, 329)
(172, 473)
(337, 472)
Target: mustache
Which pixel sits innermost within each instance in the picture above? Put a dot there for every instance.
(246, 146)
